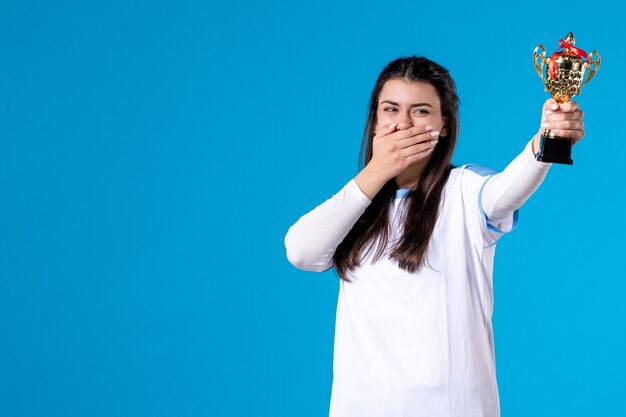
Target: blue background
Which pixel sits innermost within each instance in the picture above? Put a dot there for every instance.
(153, 155)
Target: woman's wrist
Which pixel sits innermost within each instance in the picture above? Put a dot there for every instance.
(369, 181)
(534, 147)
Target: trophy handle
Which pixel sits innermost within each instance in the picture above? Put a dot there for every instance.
(539, 59)
(590, 61)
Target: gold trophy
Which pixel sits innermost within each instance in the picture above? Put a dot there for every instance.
(563, 78)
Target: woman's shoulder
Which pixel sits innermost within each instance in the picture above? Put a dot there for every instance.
(469, 175)
(474, 168)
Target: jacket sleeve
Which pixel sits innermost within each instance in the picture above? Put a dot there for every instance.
(311, 242)
(508, 190)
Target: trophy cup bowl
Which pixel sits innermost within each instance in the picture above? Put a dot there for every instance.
(563, 75)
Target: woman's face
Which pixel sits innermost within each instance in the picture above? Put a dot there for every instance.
(409, 103)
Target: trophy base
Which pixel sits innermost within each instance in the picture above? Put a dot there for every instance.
(555, 149)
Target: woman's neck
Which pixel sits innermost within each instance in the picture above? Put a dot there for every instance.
(410, 177)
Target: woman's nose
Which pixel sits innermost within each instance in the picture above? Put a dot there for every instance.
(404, 122)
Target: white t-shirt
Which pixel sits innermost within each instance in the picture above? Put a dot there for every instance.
(419, 344)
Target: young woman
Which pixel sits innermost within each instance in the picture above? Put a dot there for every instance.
(413, 239)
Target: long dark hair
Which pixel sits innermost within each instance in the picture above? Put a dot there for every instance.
(410, 249)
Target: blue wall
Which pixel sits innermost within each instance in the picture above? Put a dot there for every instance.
(154, 154)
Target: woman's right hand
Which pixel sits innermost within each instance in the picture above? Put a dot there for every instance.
(394, 150)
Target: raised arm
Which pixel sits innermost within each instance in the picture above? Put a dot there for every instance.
(507, 191)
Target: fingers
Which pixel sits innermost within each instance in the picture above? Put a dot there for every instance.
(407, 137)
(418, 150)
(568, 106)
(409, 144)
(550, 105)
(559, 116)
(573, 130)
(386, 130)
(563, 119)
(413, 135)
(565, 125)
(420, 144)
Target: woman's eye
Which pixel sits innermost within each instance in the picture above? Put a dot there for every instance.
(416, 111)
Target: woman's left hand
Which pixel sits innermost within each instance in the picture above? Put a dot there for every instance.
(564, 119)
